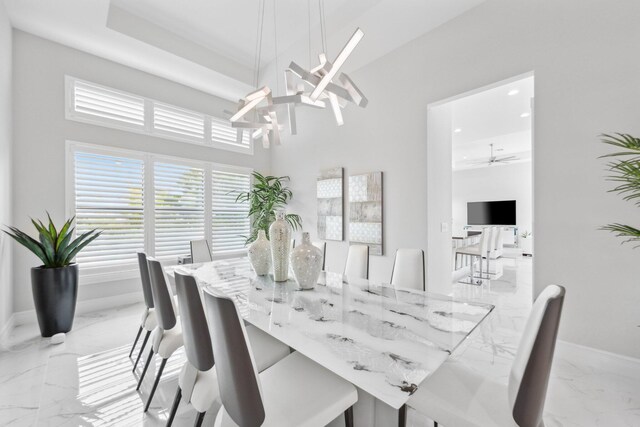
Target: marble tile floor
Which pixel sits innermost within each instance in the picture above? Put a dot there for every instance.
(87, 380)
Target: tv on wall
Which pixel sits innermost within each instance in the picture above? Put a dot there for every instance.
(501, 212)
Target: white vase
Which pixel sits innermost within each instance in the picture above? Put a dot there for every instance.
(260, 254)
(306, 262)
(280, 235)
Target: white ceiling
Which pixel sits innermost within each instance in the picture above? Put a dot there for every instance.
(493, 117)
(210, 44)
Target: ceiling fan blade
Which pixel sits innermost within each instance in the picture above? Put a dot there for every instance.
(507, 159)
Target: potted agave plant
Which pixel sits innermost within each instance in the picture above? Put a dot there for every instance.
(55, 282)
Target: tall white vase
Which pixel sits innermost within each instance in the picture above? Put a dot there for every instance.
(306, 262)
(280, 235)
(260, 254)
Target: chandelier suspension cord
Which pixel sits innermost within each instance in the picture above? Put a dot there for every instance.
(275, 43)
(323, 30)
(309, 26)
(258, 56)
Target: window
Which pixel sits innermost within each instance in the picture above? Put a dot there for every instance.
(154, 203)
(224, 136)
(100, 105)
(103, 105)
(109, 195)
(229, 223)
(179, 208)
(172, 120)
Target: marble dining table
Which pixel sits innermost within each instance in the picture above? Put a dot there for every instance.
(385, 340)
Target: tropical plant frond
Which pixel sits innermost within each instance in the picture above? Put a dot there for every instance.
(628, 233)
(628, 143)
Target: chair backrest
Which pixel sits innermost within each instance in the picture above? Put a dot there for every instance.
(408, 269)
(485, 238)
(238, 379)
(322, 245)
(500, 242)
(195, 332)
(357, 262)
(531, 367)
(494, 239)
(146, 281)
(200, 251)
(165, 312)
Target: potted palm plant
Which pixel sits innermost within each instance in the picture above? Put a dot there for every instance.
(268, 194)
(625, 172)
(55, 282)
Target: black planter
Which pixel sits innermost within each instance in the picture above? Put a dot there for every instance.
(55, 291)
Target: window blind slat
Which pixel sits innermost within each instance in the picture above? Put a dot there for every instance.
(109, 198)
(94, 100)
(179, 208)
(223, 133)
(178, 121)
(230, 223)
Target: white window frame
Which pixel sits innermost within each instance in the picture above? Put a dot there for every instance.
(148, 128)
(130, 270)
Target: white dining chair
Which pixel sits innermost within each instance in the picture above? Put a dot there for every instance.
(322, 245)
(408, 269)
(148, 320)
(476, 251)
(197, 382)
(357, 266)
(294, 392)
(499, 250)
(457, 396)
(167, 336)
(200, 251)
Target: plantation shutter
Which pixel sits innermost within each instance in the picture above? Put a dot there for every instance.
(230, 224)
(109, 197)
(223, 133)
(179, 208)
(176, 121)
(108, 105)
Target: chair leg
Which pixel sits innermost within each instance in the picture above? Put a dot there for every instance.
(348, 417)
(199, 419)
(144, 371)
(174, 408)
(135, 341)
(144, 343)
(155, 384)
(402, 416)
(435, 424)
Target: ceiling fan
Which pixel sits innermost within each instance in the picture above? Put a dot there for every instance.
(493, 159)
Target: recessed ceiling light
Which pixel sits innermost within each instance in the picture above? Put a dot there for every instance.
(513, 92)
(457, 130)
(525, 115)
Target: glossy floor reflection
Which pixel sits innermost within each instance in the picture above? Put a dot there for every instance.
(87, 381)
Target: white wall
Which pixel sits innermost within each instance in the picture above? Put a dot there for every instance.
(6, 298)
(584, 55)
(507, 182)
(40, 131)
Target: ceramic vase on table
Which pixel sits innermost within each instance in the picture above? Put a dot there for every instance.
(280, 235)
(306, 262)
(260, 254)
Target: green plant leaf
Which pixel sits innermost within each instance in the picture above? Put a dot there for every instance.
(88, 238)
(29, 243)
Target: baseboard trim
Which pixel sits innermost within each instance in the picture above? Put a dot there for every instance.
(594, 355)
(83, 307)
(6, 330)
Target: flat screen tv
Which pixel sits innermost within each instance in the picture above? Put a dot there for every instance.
(501, 212)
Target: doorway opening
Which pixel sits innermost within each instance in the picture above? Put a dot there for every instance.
(480, 188)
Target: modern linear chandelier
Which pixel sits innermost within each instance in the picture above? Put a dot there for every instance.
(257, 112)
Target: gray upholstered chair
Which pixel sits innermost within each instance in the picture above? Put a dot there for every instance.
(148, 321)
(167, 336)
(197, 383)
(357, 266)
(200, 251)
(457, 396)
(408, 269)
(292, 393)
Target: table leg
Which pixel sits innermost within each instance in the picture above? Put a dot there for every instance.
(402, 416)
